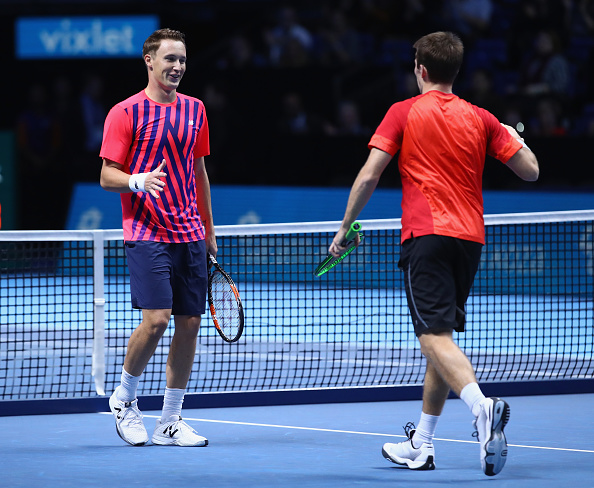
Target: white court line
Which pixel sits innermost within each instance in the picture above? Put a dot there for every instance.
(316, 429)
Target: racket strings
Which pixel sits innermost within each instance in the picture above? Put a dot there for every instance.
(225, 304)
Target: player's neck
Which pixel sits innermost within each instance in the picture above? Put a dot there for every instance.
(160, 95)
(428, 86)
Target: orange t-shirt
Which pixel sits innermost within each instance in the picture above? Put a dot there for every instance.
(442, 141)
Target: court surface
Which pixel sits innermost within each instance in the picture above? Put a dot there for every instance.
(327, 445)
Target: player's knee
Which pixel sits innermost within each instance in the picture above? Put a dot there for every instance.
(155, 323)
(188, 325)
(432, 342)
(426, 348)
(158, 328)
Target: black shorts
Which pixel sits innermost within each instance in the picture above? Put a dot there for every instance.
(167, 276)
(438, 275)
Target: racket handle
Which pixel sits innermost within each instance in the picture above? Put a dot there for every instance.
(352, 232)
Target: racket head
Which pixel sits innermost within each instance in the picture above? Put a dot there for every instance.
(226, 309)
(331, 261)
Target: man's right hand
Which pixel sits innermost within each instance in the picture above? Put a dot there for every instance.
(153, 182)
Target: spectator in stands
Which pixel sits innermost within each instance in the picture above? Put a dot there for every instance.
(549, 120)
(238, 55)
(38, 134)
(536, 15)
(221, 118)
(93, 112)
(513, 116)
(415, 18)
(289, 42)
(408, 85)
(581, 18)
(296, 119)
(469, 18)
(589, 129)
(583, 124)
(39, 139)
(586, 9)
(481, 93)
(532, 17)
(338, 40)
(545, 69)
(348, 121)
(376, 17)
(66, 111)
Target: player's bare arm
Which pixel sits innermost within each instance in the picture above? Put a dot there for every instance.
(361, 192)
(524, 162)
(203, 203)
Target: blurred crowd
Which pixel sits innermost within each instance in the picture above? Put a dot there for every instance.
(327, 69)
(526, 61)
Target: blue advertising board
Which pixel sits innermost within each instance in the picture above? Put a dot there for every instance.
(531, 259)
(82, 37)
(92, 207)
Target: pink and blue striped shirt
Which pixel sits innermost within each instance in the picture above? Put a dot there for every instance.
(139, 133)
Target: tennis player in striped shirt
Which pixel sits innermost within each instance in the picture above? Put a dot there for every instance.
(153, 150)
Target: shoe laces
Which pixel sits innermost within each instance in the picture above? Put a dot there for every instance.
(409, 430)
(131, 413)
(475, 433)
(180, 426)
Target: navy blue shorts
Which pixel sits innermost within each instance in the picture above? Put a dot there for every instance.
(168, 276)
(438, 275)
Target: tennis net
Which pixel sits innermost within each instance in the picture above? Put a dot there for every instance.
(65, 310)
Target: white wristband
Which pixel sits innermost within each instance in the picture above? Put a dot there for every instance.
(136, 182)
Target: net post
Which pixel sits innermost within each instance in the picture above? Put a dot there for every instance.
(98, 366)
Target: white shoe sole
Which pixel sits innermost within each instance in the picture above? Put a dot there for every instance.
(165, 441)
(426, 465)
(494, 456)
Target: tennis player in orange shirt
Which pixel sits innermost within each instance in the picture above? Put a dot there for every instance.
(442, 141)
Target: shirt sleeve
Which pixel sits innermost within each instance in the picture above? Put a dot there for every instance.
(202, 146)
(501, 144)
(117, 136)
(388, 135)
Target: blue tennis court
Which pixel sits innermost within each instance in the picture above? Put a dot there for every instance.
(550, 444)
(327, 371)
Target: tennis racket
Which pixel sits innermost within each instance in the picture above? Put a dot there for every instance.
(224, 302)
(350, 243)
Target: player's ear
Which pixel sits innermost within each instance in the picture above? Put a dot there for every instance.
(420, 68)
(424, 73)
(148, 61)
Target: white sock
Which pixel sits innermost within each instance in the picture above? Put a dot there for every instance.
(126, 392)
(172, 403)
(472, 395)
(425, 430)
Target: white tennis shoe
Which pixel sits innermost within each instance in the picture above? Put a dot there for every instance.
(489, 424)
(129, 424)
(406, 454)
(175, 432)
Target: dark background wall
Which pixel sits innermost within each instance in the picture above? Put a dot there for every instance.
(359, 62)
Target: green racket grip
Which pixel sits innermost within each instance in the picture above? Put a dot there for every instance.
(352, 233)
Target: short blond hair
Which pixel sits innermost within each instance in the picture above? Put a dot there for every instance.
(153, 42)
